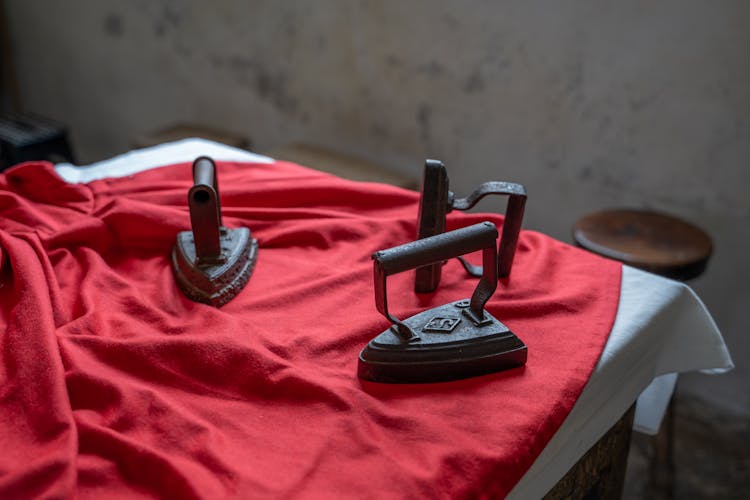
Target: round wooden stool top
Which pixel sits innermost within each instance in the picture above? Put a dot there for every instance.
(659, 243)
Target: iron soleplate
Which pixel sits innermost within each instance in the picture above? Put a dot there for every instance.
(219, 282)
(451, 346)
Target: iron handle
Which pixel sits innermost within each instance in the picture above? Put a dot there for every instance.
(511, 227)
(482, 236)
(493, 187)
(205, 212)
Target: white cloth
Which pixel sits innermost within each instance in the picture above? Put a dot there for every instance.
(132, 162)
(661, 328)
(652, 404)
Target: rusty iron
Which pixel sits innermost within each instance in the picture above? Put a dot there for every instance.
(211, 263)
(436, 201)
(453, 341)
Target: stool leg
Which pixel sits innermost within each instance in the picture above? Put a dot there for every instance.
(662, 466)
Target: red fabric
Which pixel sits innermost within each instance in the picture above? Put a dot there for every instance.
(113, 384)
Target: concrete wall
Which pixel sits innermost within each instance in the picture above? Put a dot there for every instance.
(590, 104)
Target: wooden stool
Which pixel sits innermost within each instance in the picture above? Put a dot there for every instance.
(663, 245)
(655, 242)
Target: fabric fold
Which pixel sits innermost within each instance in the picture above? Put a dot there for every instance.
(156, 394)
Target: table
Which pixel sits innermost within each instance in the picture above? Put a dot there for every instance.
(661, 328)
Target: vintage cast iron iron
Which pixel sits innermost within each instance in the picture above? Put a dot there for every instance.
(437, 200)
(453, 341)
(211, 263)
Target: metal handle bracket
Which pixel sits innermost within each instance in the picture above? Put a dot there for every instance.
(434, 249)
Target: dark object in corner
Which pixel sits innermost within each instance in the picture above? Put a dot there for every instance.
(27, 137)
(454, 341)
(211, 263)
(437, 200)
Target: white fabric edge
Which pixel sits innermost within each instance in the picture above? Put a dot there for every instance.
(132, 162)
(661, 327)
(652, 404)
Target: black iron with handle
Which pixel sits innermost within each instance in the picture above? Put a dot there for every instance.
(456, 340)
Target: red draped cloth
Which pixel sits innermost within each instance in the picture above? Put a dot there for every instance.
(114, 384)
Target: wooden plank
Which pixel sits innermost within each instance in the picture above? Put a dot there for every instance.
(340, 164)
(600, 473)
